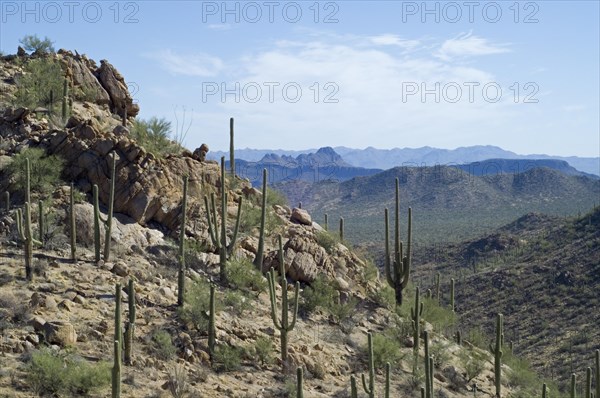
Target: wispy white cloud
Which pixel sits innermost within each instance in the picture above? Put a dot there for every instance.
(467, 44)
(198, 64)
(221, 26)
(394, 40)
(574, 108)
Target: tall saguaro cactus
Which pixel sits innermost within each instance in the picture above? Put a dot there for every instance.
(397, 269)
(65, 99)
(212, 332)
(130, 325)
(26, 236)
(284, 325)
(220, 239)
(41, 226)
(258, 260)
(6, 201)
(353, 389)
(107, 222)
(342, 229)
(588, 382)
(370, 386)
(72, 226)
(597, 378)
(415, 316)
(428, 368)
(497, 351)
(181, 273)
(299, 383)
(452, 286)
(573, 385)
(231, 148)
(116, 370)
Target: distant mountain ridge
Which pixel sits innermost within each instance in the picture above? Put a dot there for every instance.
(373, 158)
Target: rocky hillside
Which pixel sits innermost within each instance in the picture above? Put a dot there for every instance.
(543, 274)
(59, 325)
(451, 204)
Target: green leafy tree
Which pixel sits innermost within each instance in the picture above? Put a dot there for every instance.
(41, 84)
(154, 135)
(45, 170)
(33, 43)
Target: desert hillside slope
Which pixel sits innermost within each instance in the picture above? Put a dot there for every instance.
(62, 322)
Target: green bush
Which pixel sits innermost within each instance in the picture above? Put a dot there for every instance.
(237, 301)
(385, 297)
(275, 197)
(197, 300)
(440, 317)
(263, 348)
(45, 170)
(52, 373)
(162, 345)
(155, 136)
(320, 294)
(227, 358)
(243, 275)
(41, 77)
(327, 240)
(250, 219)
(473, 361)
(385, 349)
(33, 43)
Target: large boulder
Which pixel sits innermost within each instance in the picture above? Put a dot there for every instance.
(114, 84)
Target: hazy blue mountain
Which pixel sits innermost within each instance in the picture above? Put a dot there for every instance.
(373, 158)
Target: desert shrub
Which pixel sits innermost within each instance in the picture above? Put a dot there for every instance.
(385, 297)
(251, 215)
(385, 349)
(244, 275)
(237, 301)
(263, 349)
(162, 345)
(52, 373)
(45, 170)
(275, 197)
(327, 240)
(227, 358)
(440, 317)
(178, 383)
(154, 135)
(341, 312)
(478, 338)
(14, 309)
(440, 353)
(196, 306)
(473, 362)
(369, 272)
(33, 43)
(41, 77)
(320, 294)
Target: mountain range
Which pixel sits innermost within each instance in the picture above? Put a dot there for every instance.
(374, 158)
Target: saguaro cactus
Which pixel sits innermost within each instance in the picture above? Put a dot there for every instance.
(26, 235)
(386, 393)
(497, 351)
(258, 260)
(353, 389)
(220, 240)
(231, 148)
(299, 383)
(326, 226)
(7, 201)
(573, 385)
(72, 227)
(588, 382)
(212, 332)
(415, 316)
(544, 390)
(342, 229)
(27, 180)
(107, 222)
(41, 223)
(597, 378)
(370, 386)
(130, 325)
(397, 270)
(116, 371)
(181, 257)
(428, 368)
(65, 99)
(284, 326)
(452, 284)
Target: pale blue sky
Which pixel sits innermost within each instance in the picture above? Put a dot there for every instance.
(369, 66)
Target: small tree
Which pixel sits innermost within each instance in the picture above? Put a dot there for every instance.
(33, 43)
(45, 170)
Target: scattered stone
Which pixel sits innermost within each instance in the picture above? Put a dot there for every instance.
(300, 216)
(60, 332)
